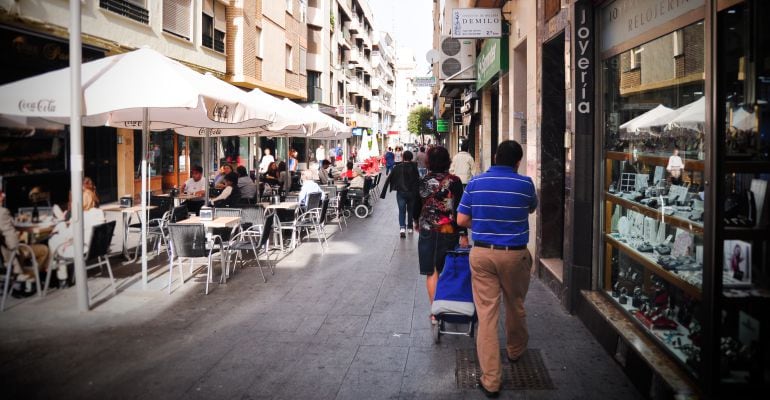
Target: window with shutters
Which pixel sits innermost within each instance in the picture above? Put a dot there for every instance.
(213, 25)
(134, 9)
(177, 18)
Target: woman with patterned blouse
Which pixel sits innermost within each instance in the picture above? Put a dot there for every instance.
(436, 215)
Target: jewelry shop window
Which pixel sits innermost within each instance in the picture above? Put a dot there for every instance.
(654, 117)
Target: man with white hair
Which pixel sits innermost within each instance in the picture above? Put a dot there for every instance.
(308, 186)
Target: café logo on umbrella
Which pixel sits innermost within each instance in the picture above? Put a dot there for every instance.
(209, 132)
(42, 105)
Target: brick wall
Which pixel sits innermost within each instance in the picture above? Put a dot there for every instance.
(693, 49)
(629, 78)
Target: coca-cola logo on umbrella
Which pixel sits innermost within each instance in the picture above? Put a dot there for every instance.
(42, 105)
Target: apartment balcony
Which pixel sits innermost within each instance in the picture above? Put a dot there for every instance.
(344, 40)
(352, 25)
(354, 87)
(375, 105)
(315, 16)
(315, 62)
(353, 56)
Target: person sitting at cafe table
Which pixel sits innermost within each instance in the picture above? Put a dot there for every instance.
(323, 172)
(60, 243)
(308, 186)
(349, 171)
(358, 179)
(88, 184)
(9, 240)
(195, 186)
(231, 195)
(219, 181)
(245, 184)
(284, 177)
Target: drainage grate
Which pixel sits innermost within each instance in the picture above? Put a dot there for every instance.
(529, 373)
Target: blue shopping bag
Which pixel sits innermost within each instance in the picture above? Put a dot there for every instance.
(453, 291)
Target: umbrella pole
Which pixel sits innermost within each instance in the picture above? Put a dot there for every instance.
(76, 155)
(206, 167)
(143, 236)
(259, 192)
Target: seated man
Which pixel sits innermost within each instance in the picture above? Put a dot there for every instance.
(323, 172)
(195, 186)
(9, 240)
(308, 186)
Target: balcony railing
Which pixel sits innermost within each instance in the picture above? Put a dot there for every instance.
(126, 9)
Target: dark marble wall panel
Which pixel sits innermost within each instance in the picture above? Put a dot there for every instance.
(552, 182)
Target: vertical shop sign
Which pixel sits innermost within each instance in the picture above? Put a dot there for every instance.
(584, 73)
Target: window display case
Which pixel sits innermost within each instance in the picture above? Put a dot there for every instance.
(685, 228)
(742, 171)
(653, 189)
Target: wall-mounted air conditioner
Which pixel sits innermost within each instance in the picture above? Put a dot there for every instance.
(457, 55)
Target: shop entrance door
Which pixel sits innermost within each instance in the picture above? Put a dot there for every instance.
(551, 221)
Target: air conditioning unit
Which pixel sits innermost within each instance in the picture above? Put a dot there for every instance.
(457, 55)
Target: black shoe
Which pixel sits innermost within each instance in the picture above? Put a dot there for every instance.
(402, 233)
(513, 360)
(490, 395)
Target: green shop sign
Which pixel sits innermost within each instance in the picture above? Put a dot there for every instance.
(442, 125)
(492, 59)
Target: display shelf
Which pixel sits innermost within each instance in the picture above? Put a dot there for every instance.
(648, 262)
(740, 233)
(651, 159)
(747, 167)
(679, 222)
(661, 335)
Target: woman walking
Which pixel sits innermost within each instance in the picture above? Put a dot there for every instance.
(436, 212)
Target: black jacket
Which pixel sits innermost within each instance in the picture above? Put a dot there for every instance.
(403, 178)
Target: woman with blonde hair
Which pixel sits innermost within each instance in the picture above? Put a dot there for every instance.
(60, 244)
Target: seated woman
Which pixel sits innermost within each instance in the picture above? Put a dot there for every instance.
(60, 243)
(219, 181)
(246, 186)
(284, 178)
(358, 179)
(308, 186)
(349, 172)
(231, 195)
(271, 176)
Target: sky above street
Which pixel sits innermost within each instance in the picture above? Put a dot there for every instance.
(410, 23)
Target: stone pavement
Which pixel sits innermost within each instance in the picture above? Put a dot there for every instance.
(348, 324)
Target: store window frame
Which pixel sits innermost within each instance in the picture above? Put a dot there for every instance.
(600, 249)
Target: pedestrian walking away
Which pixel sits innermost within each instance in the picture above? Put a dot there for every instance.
(436, 213)
(422, 161)
(496, 206)
(390, 160)
(403, 181)
(463, 164)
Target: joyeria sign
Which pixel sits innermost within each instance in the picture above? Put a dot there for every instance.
(37, 106)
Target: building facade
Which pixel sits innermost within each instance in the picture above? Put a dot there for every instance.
(229, 39)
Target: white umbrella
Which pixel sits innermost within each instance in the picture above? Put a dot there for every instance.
(744, 120)
(139, 89)
(691, 116)
(634, 125)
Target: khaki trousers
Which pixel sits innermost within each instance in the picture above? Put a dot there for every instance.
(494, 272)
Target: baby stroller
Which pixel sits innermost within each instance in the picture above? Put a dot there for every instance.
(358, 200)
(453, 302)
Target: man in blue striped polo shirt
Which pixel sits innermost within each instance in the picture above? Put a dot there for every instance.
(496, 206)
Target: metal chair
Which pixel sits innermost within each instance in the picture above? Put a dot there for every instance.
(311, 219)
(190, 241)
(286, 220)
(252, 216)
(255, 240)
(156, 218)
(98, 250)
(9, 268)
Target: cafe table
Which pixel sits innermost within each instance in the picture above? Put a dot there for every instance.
(178, 199)
(219, 222)
(128, 213)
(32, 231)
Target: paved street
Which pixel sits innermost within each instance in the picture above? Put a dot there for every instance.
(348, 324)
